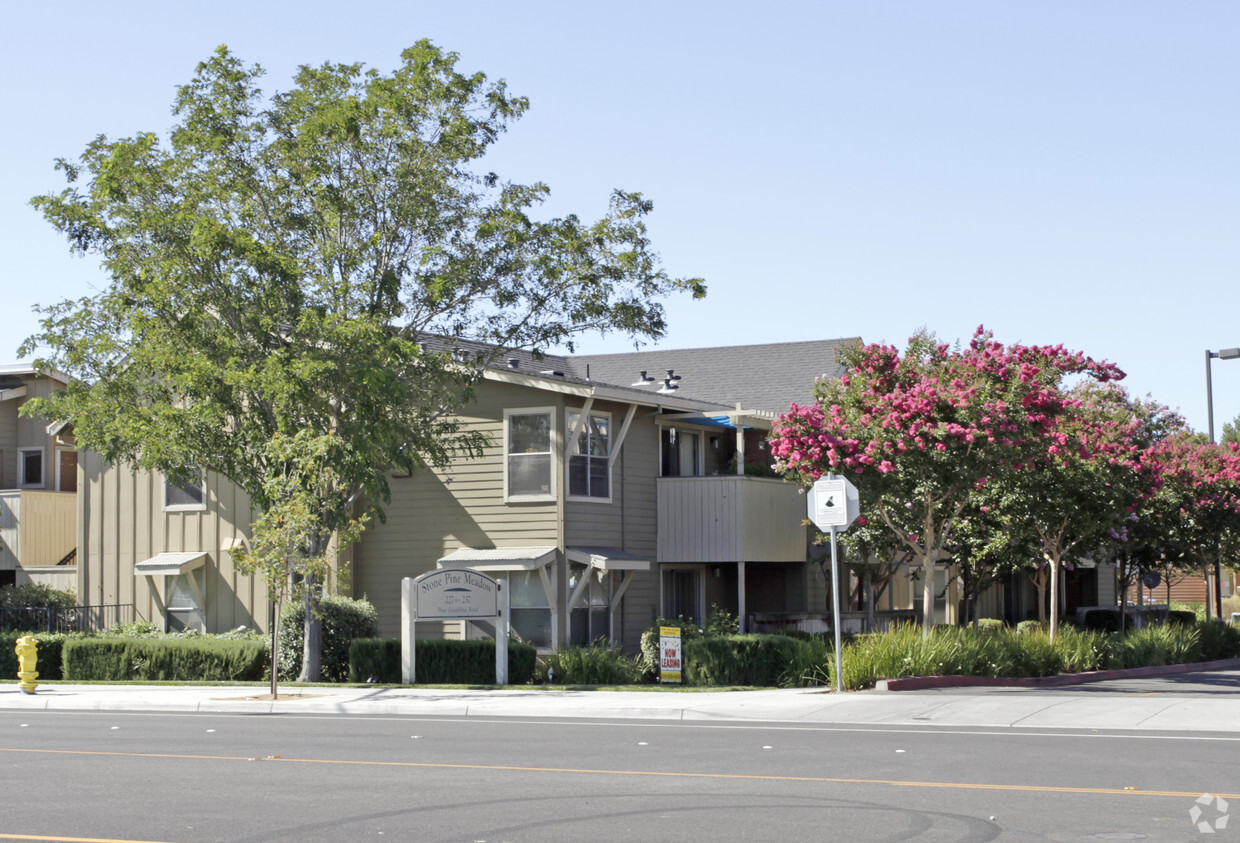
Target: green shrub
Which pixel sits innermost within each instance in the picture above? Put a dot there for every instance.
(1160, 644)
(1218, 641)
(598, 665)
(36, 595)
(1182, 617)
(722, 622)
(1025, 627)
(163, 659)
(761, 660)
(990, 625)
(1081, 651)
(344, 619)
(50, 660)
(439, 662)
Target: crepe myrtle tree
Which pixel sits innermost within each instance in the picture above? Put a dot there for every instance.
(1081, 491)
(307, 261)
(1192, 519)
(926, 430)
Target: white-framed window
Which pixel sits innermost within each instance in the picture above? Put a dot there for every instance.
(680, 452)
(527, 454)
(30, 468)
(186, 495)
(589, 474)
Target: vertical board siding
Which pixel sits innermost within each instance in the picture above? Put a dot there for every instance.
(47, 526)
(10, 535)
(730, 519)
(124, 523)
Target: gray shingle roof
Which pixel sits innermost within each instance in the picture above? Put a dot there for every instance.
(762, 377)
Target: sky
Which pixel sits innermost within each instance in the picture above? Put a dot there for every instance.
(1058, 171)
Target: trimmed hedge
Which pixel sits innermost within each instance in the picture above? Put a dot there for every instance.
(164, 659)
(344, 619)
(50, 663)
(439, 662)
(743, 659)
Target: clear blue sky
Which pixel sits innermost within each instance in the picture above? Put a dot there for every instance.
(1059, 171)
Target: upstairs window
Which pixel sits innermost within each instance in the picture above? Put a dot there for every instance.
(589, 475)
(30, 468)
(185, 495)
(527, 440)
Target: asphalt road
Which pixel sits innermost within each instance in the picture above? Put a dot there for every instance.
(122, 776)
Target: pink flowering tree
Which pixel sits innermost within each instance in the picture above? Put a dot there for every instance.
(1192, 520)
(1078, 495)
(922, 433)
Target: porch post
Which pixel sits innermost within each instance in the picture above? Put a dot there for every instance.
(740, 597)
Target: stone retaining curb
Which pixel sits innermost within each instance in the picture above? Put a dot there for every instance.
(917, 683)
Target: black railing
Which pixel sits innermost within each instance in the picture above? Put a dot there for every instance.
(69, 619)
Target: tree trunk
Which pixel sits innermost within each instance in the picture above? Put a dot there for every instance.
(1054, 596)
(869, 602)
(927, 595)
(312, 640)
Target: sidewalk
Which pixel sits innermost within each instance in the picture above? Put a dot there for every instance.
(1157, 705)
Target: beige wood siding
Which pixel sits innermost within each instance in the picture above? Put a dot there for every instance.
(124, 523)
(629, 522)
(437, 511)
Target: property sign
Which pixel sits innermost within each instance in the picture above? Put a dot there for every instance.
(451, 594)
(833, 502)
(455, 594)
(669, 654)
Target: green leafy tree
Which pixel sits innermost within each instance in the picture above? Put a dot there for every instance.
(283, 272)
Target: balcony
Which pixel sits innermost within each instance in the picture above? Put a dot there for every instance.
(730, 518)
(37, 528)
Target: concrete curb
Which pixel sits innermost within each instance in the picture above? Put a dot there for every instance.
(917, 683)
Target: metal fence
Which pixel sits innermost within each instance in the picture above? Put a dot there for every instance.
(70, 619)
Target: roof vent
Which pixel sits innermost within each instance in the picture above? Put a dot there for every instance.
(644, 380)
(555, 373)
(514, 363)
(669, 386)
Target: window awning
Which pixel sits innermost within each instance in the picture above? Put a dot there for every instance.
(499, 558)
(608, 559)
(170, 563)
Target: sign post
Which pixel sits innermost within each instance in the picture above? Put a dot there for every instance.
(451, 594)
(833, 505)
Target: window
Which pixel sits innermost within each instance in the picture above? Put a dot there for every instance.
(589, 475)
(185, 495)
(588, 622)
(528, 612)
(30, 468)
(680, 452)
(527, 440)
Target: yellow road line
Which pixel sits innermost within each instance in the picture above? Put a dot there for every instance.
(654, 773)
(62, 839)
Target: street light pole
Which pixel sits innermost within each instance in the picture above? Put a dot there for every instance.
(1222, 354)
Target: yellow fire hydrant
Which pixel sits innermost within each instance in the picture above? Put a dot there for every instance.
(27, 650)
